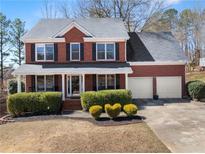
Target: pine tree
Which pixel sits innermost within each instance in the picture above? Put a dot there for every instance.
(17, 31)
(4, 47)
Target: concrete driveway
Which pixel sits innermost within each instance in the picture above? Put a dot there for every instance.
(181, 126)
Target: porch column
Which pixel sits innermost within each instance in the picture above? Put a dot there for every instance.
(126, 81)
(83, 86)
(18, 83)
(63, 87)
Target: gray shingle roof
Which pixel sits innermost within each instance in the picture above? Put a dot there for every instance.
(150, 46)
(99, 27)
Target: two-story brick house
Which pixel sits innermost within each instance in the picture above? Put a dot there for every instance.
(89, 54)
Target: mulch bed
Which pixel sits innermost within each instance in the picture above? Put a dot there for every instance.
(104, 121)
(122, 120)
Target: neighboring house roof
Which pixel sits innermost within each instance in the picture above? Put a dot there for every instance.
(150, 46)
(96, 27)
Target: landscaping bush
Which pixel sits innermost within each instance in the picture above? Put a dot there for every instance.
(113, 110)
(96, 111)
(130, 109)
(12, 87)
(102, 97)
(196, 89)
(34, 103)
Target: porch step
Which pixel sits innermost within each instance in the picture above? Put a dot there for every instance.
(71, 104)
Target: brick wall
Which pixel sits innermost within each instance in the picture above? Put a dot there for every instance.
(74, 35)
(28, 83)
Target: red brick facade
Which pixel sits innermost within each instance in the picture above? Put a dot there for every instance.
(159, 70)
(74, 35)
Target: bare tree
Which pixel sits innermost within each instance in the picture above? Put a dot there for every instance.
(132, 12)
(64, 9)
(49, 9)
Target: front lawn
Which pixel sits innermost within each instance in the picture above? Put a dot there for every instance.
(67, 135)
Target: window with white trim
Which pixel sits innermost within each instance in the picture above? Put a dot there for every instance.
(44, 52)
(75, 51)
(44, 83)
(105, 51)
(106, 81)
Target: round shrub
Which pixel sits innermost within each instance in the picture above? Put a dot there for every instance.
(96, 111)
(196, 89)
(113, 110)
(130, 109)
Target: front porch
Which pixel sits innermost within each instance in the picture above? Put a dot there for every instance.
(72, 81)
(71, 85)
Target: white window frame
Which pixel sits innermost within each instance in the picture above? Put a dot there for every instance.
(45, 85)
(105, 43)
(71, 58)
(70, 86)
(106, 80)
(44, 46)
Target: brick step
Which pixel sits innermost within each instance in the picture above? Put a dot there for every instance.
(71, 104)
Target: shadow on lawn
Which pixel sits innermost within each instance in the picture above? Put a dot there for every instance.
(122, 120)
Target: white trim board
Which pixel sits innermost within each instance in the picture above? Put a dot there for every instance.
(44, 40)
(158, 63)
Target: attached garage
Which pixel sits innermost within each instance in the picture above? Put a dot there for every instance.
(169, 87)
(141, 87)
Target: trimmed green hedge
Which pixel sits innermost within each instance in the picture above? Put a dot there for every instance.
(34, 103)
(196, 89)
(103, 97)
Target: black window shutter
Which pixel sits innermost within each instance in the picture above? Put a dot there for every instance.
(33, 84)
(68, 51)
(117, 81)
(55, 51)
(117, 51)
(81, 51)
(56, 83)
(32, 52)
(94, 51)
(94, 83)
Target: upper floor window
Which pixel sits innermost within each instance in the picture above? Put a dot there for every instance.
(75, 51)
(105, 51)
(44, 52)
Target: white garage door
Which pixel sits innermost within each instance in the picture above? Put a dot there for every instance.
(169, 87)
(141, 87)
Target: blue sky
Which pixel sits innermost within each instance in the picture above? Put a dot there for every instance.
(30, 10)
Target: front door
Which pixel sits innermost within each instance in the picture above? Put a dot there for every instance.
(73, 85)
